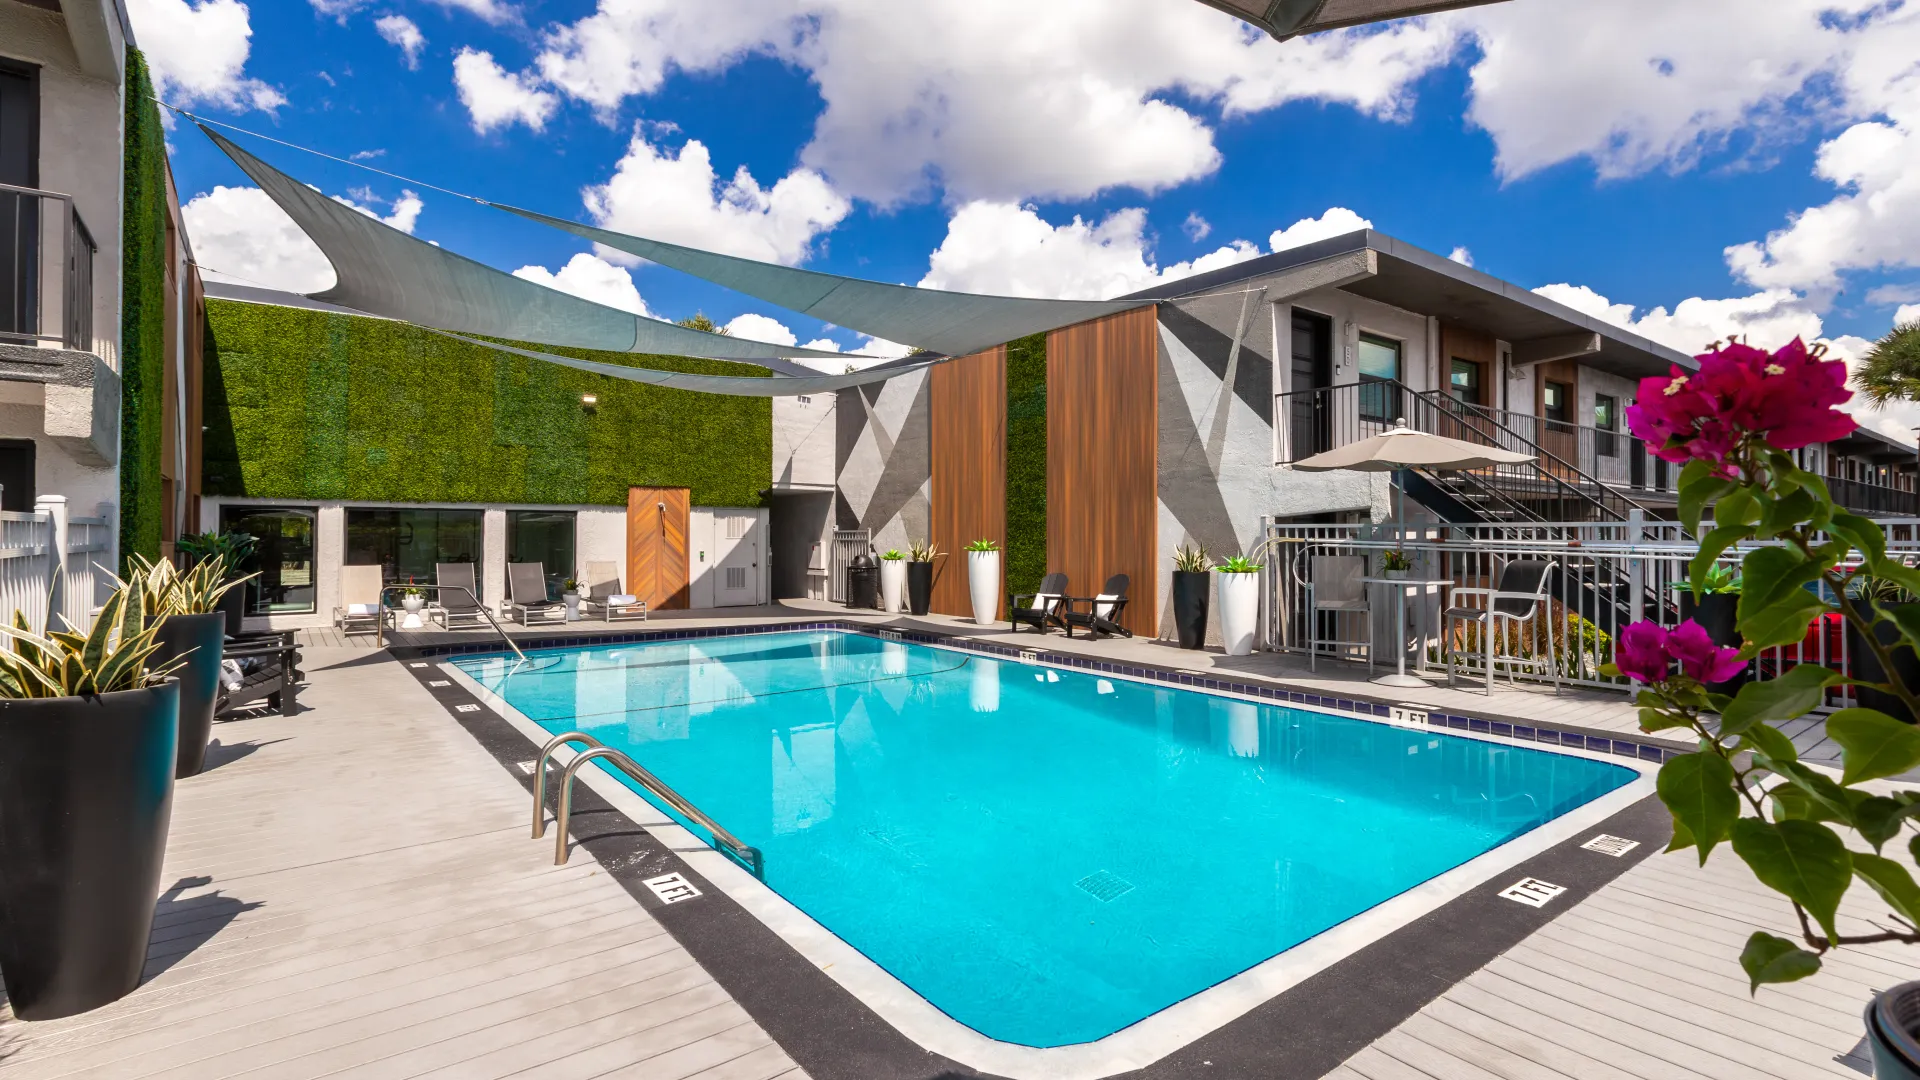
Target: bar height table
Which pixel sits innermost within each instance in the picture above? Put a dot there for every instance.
(1400, 586)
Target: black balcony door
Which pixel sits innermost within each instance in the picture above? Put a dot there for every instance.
(1312, 370)
(19, 214)
(16, 474)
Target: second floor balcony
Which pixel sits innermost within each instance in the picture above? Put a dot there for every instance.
(46, 271)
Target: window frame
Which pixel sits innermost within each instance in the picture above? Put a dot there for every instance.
(254, 605)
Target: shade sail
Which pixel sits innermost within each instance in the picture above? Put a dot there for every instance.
(943, 322)
(1402, 447)
(731, 385)
(1291, 18)
(386, 272)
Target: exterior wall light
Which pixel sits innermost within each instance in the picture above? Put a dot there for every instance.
(589, 400)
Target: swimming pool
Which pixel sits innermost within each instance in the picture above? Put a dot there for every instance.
(1046, 856)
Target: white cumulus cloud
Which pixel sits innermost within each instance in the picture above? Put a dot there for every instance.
(241, 235)
(198, 53)
(760, 328)
(1462, 256)
(402, 33)
(491, 11)
(1907, 313)
(591, 278)
(495, 97)
(679, 197)
(1337, 221)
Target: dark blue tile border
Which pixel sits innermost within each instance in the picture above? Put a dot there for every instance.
(1610, 744)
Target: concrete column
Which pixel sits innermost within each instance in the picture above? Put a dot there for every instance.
(493, 556)
(329, 555)
(55, 507)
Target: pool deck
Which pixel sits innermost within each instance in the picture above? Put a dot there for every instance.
(351, 892)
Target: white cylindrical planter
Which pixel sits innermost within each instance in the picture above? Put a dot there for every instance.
(983, 582)
(983, 692)
(1239, 610)
(572, 600)
(893, 584)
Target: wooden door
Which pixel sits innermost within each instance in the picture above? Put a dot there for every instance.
(657, 530)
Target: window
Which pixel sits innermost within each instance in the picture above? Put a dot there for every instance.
(1464, 382)
(407, 543)
(1606, 421)
(1379, 364)
(1553, 402)
(544, 537)
(282, 556)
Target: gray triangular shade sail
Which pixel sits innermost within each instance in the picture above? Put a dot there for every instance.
(1403, 447)
(1291, 18)
(953, 323)
(386, 272)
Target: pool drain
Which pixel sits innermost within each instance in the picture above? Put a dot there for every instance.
(1104, 886)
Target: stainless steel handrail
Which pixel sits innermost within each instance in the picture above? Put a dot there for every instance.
(723, 841)
(380, 624)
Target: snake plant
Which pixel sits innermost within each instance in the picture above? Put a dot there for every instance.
(111, 657)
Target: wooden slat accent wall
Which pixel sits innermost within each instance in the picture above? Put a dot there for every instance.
(657, 546)
(968, 436)
(1103, 427)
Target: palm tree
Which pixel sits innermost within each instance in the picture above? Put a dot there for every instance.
(1891, 370)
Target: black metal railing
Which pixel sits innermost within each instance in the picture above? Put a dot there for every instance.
(1874, 500)
(43, 240)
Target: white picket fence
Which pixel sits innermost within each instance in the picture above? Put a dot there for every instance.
(33, 545)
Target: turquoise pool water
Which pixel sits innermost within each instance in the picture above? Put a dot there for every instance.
(1045, 855)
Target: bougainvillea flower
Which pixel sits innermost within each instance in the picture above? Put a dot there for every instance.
(1789, 398)
(1700, 658)
(1641, 654)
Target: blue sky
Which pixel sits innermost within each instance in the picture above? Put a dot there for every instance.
(1626, 148)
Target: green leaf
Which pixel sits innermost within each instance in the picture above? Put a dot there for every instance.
(1802, 860)
(1736, 507)
(1775, 608)
(1610, 671)
(1682, 836)
(1795, 803)
(1796, 692)
(1661, 720)
(1697, 490)
(1863, 534)
(1787, 512)
(1699, 789)
(1879, 818)
(1713, 546)
(1768, 959)
(1891, 881)
(1913, 848)
(1820, 787)
(1769, 740)
(1875, 745)
(1783, 623)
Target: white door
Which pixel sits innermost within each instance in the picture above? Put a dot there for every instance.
(736, 561)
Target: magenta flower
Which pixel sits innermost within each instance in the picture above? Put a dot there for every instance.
(1788, 397)
(1641, 654)
(1700, 658)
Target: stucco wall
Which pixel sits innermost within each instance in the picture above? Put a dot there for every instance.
(803, 440)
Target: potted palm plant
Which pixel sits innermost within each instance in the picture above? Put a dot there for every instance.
(88, 731)
(1192, 586)
(232, 549)
(893, 579)
(920, 558)
(1239, 603)
(983, 580)
(190, 630)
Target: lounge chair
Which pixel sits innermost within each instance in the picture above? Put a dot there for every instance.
(1512, 608)
(1335, 587)
(458, 603)
(605, 599)
(1041, 609)
(361, 604)
(259, 667)
(527, 601)
(1102, 611)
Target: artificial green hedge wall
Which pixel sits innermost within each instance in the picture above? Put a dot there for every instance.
(143, 328)
(305, 404)
(1026, 463)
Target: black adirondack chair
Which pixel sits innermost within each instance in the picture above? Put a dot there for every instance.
(1039, 609)
(1099, 614)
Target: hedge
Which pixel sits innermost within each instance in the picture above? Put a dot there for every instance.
(1026, 463)
(143, 331)
(310, 405)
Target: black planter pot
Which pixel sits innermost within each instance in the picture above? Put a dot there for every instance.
(233, 604)
(1191, 592)
(919, 587)
(1866, 666)
(1717, 614)
(86, 790)
(1893, 1030)
(197, 641)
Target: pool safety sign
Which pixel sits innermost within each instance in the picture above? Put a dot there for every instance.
(1615, 846)
(1532, 892)
(671, 888)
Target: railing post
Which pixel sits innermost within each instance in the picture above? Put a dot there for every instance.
(1636, 566)
(55, 508)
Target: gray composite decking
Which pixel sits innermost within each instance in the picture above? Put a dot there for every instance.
(352, 892)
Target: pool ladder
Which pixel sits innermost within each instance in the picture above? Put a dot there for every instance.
(723, 841)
